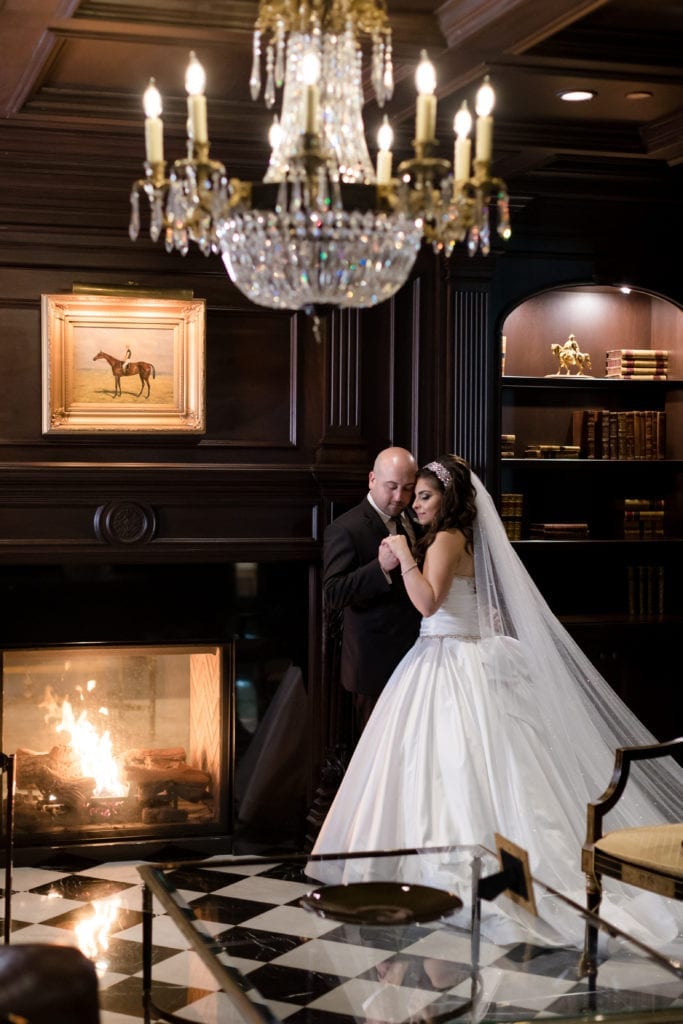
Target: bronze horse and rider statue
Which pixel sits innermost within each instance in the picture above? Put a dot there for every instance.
(127, 368)
(570, 355)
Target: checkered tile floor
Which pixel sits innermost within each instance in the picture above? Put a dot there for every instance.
(254, 913)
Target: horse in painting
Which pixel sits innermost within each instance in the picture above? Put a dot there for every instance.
(142, 370)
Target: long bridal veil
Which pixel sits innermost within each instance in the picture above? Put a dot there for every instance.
(581, 718)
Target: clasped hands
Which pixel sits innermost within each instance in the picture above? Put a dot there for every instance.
(392, 551)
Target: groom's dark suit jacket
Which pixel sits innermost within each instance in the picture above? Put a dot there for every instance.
(379, 622)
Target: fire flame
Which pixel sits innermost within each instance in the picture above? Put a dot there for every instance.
(92, 747)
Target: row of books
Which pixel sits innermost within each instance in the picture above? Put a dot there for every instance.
(645, 589)
(637, 363)
(507, 446)
(558, 531)
(552, 451)
(538, 451)
(608, 434)
(511, 512)
(642, 518)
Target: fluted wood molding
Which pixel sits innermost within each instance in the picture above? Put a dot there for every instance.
(471, 374)
(342, 427)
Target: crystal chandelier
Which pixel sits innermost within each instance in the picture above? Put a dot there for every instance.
(324, 227)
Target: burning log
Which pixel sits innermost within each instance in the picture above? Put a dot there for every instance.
(49, 773)
(185, 782)
(162, 757)
(154, 772)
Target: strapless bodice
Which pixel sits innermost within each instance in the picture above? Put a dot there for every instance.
(457, 616)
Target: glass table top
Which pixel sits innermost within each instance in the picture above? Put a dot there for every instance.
(397, 937)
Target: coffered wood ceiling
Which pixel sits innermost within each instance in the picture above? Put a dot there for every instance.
(72, 76)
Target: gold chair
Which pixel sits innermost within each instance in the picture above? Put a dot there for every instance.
(649, 857)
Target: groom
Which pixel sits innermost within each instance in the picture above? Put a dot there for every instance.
(362, 582)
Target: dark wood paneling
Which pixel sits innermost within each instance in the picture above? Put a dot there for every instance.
(252, 378)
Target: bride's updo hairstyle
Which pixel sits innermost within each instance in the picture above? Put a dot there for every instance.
(451, 475)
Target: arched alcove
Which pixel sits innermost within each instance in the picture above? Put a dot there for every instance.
(601, 318)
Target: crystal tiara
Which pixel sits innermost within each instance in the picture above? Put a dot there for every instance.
(441, 472)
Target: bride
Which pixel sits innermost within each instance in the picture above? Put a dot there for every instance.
(494, 721)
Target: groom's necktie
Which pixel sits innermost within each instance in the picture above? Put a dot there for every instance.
(400, 527)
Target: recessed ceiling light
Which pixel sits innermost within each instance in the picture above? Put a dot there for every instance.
(577, 95)
(639, 94)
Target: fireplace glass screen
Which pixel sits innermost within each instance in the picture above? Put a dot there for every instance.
(117, 742)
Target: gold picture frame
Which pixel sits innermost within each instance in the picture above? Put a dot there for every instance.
(87, 386)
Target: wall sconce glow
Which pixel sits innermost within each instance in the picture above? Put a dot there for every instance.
(577, 95)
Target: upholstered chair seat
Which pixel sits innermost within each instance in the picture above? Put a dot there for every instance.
(650, 857)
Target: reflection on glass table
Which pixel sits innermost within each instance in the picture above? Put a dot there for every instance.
(390, 938)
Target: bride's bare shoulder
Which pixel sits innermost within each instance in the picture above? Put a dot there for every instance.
(451, 538)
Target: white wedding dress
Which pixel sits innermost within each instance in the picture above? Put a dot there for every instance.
(450, 756)
(493, 722)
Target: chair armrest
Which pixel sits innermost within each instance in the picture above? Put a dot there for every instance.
(623, 758)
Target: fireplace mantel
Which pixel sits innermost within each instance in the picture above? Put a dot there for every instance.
(55, 512)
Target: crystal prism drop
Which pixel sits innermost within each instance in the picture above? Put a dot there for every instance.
(269, 94)
(134, 226)
(388, 71)
(255, 78)
(280, 54)
(157, 218)
(377, 75)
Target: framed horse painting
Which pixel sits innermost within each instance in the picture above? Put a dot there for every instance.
(117, 363)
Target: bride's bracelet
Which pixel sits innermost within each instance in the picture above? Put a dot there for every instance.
(409, 569)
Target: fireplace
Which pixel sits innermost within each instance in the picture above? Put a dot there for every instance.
(190, 677)
(118, 742)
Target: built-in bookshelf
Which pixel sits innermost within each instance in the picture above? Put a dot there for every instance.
(596, 467)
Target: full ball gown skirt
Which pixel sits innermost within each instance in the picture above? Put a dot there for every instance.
(454, 752)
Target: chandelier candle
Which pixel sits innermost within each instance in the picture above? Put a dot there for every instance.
(462, 124)
(425, 80)
(310, 73)
(154, 128)
(484, 105)
(385, 137)
(195, 83)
